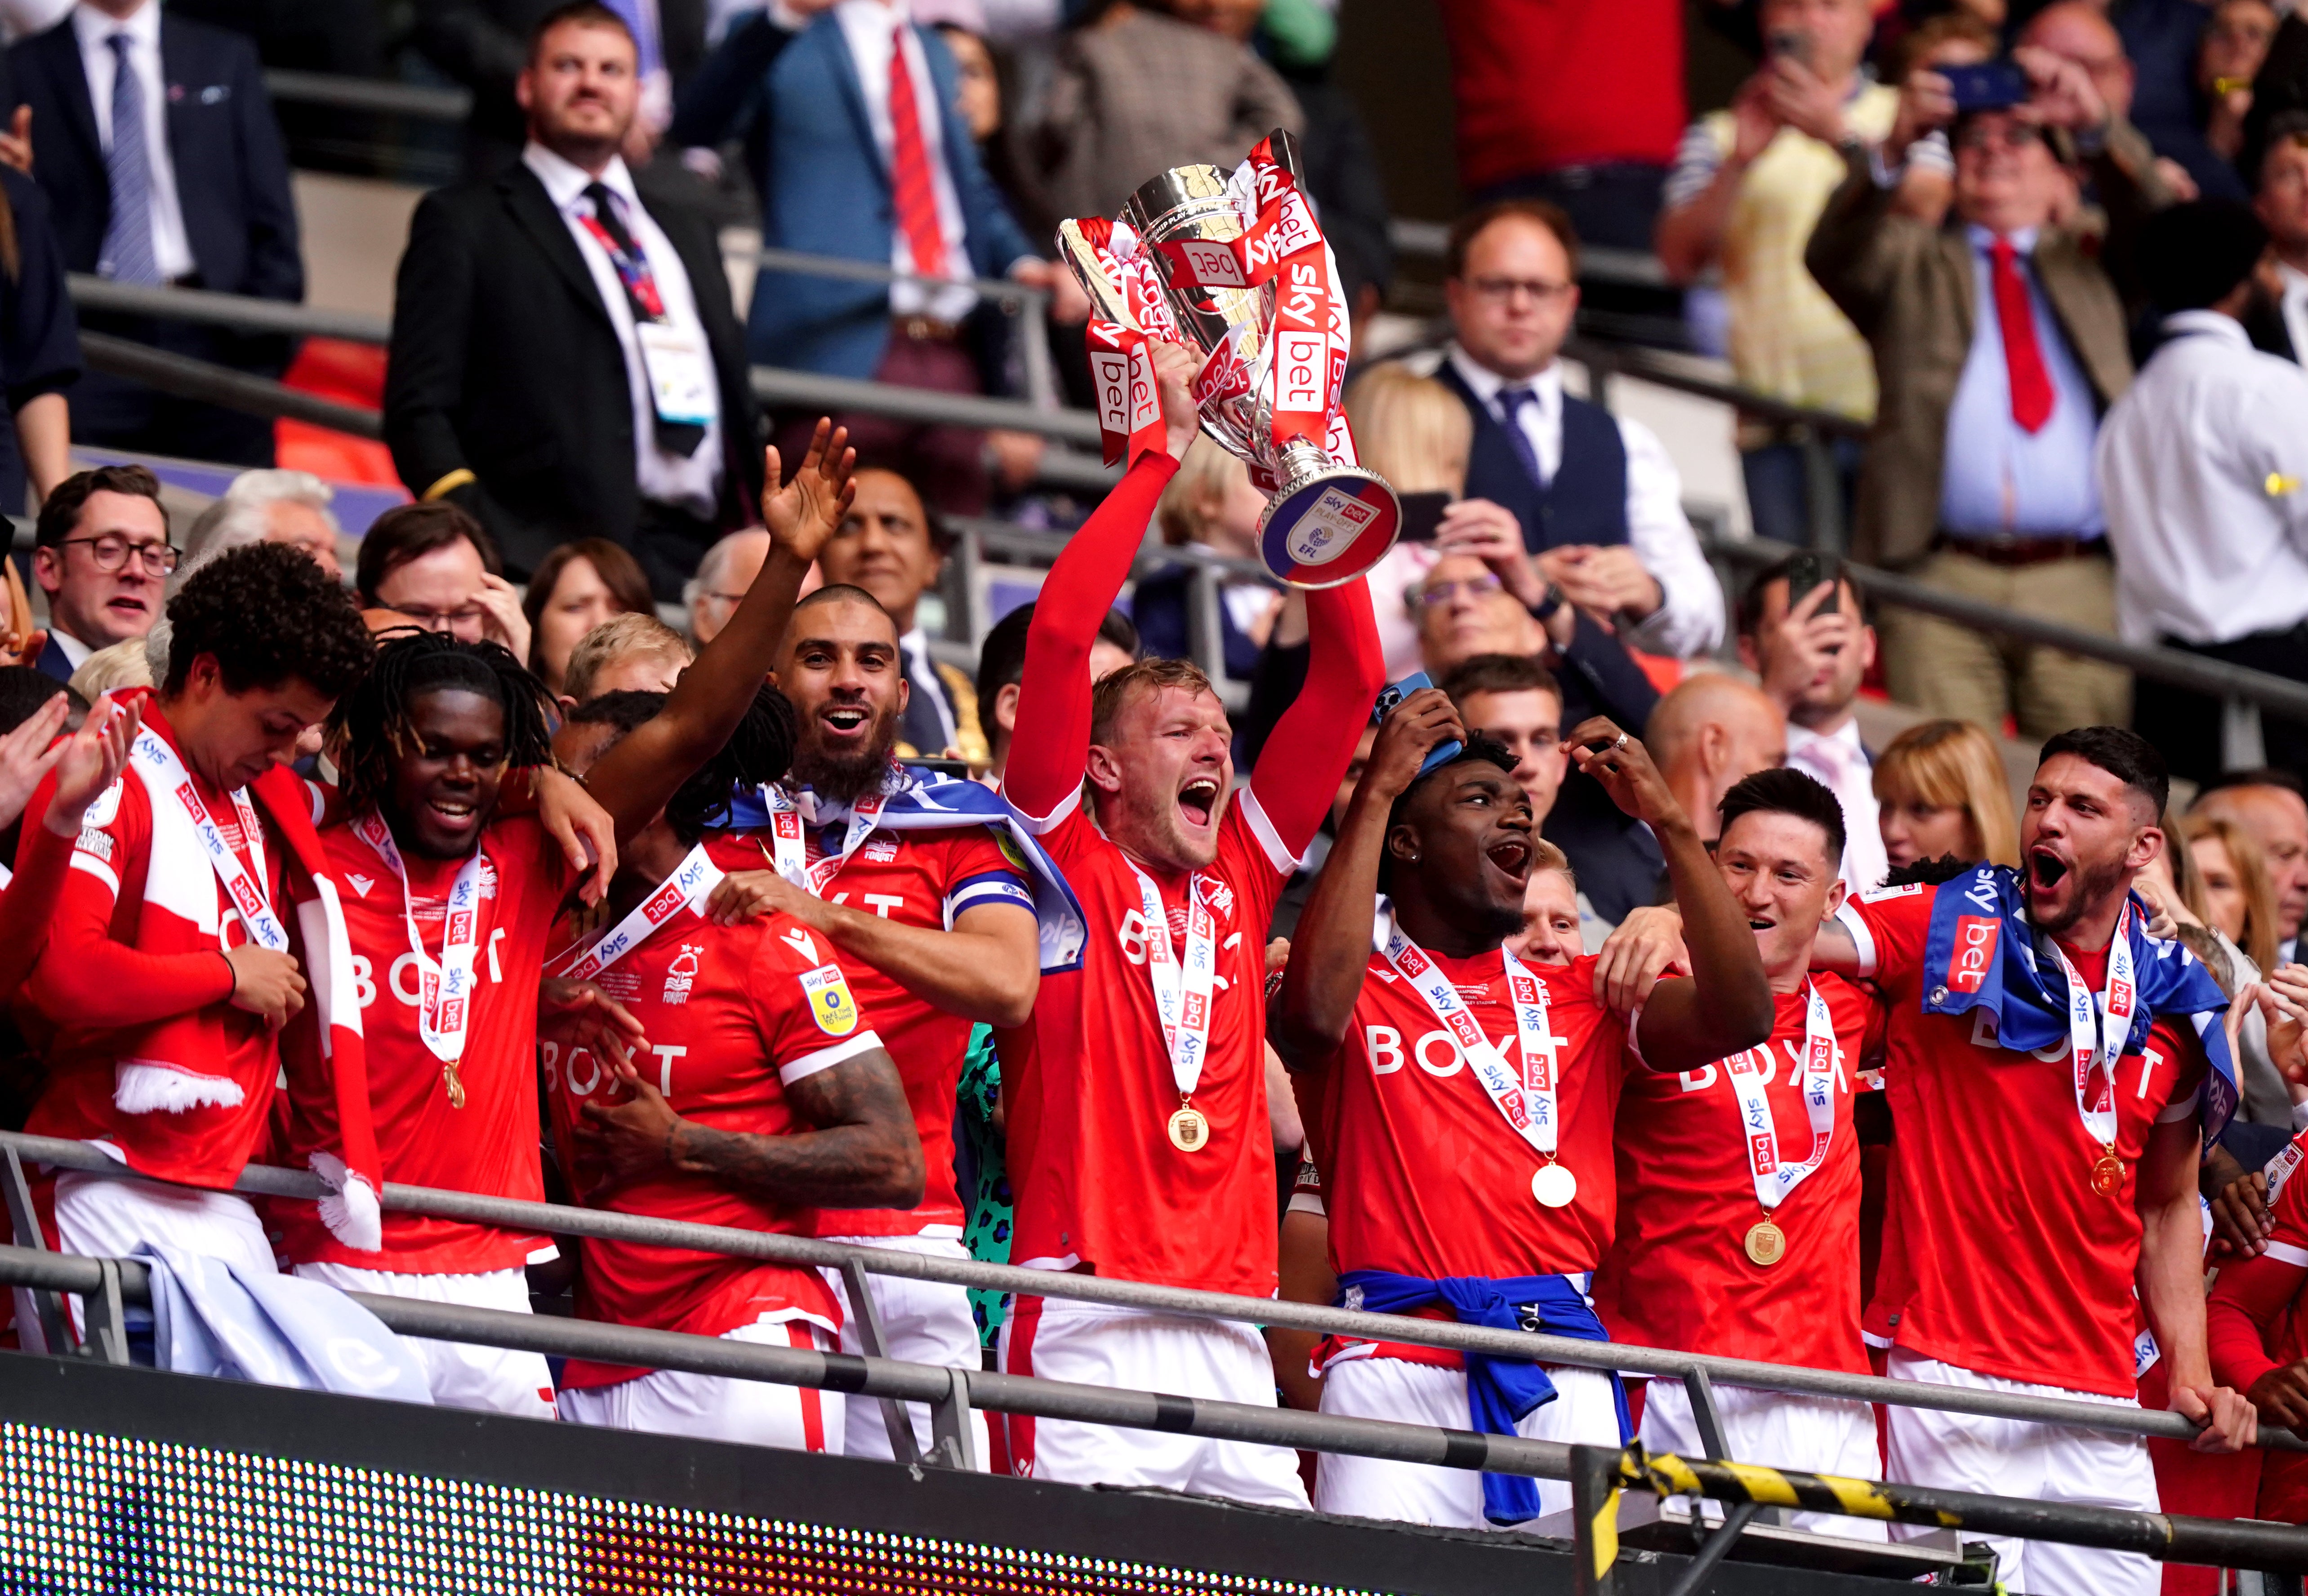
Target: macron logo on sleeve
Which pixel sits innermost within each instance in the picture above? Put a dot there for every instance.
(1974, 951)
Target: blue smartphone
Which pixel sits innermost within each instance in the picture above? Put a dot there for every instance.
(1388, 698)
(1990, 86)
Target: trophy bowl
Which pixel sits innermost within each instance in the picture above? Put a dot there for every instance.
(1327, 519)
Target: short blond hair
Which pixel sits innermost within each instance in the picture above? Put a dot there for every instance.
(633, 635)
(1411, 430)
(1207, 477)
(1953, 764)
(121, 665)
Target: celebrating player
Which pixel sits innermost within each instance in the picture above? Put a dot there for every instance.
(1739, 1229)
(2053, 1073)
(1463, 1175)
(450, 908)
(1138, 1134)
(763, 1093)
(909, 880)
(172, 992)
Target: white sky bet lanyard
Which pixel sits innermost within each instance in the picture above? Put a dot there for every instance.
(1529, 1105)
(790, 849)
(1182, 998)
(248, 898)
(2095, 1044)
(1765, 1242)
(692, 880)
(446, 987)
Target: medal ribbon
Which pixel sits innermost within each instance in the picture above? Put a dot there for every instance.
(445, 987)
(1182, 987)
(1773, 1179)
(789, 850)
(1530, 1104)
(692, 880)
(166, 773)
(2094, 1047)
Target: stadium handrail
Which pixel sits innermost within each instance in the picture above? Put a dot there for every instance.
(261, 1179)
(1597, 1473)
(369, 94)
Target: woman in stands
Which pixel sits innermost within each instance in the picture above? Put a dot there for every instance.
(576, 587)
(1944, 794)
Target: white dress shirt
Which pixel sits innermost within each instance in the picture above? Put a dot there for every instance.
(2203, 465)
(1840, 762)
(694, 483)
(2294, 305)
(172, 251)
(869, 27)
(923, 678)
(1689, 620)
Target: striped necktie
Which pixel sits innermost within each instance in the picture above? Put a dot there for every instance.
(128, 252)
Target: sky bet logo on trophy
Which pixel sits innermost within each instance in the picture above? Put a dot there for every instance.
(1235, 267)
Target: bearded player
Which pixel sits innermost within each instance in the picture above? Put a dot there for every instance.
(2053, 1073)
(930, 917)
(1140, 1145)
(449, 905)
(1738, 1232)
(1466, 1097)
(761, 1093)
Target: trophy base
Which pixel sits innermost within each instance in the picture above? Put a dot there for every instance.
(1329, 527)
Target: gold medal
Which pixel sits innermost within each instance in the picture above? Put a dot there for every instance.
(2107, 1175)
(1767, 1244)
(1554, 1186)
(1190, 1132)
(455, 1082)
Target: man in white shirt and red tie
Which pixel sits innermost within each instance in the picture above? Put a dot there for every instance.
(1812, 649)
(849, 111)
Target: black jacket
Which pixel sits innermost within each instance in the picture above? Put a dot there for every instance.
(505, 362)
(232, 174)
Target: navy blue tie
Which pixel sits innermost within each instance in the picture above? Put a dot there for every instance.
(1513, 400)
(128, 254)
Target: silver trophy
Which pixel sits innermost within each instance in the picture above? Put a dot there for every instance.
(1326, 522)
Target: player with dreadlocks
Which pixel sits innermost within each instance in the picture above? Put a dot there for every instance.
(450, 902)
(764, 1096)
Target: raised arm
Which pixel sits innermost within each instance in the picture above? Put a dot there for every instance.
(1333, 945)
(634, 779)
(1725, 1007)
(1051, 746)
(1302, 763)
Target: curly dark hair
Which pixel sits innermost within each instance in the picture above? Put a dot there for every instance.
(757, 752)
(372, 730)
(267, 613)
(1928, 872)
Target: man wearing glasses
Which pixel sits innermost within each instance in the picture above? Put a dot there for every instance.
(102, 556)
(1597, 500)
(1998, 343)
(431, 564)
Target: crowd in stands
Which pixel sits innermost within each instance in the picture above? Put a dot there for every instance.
(1780, 973)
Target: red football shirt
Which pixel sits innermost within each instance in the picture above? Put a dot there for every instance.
(1678, 1276)
(1099, 1182)
(1421, 1173)
(83, 1032)
(916, 878)
(729, 1023)
(1998, 1255)
(489, 1145)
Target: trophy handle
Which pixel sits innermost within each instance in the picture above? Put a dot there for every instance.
(1081, 258)
(1284, 143)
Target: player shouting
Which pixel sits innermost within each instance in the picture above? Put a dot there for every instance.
(1738, 1231)
(450, 903)
(1466, 1098)
(1139, 1136)
(911, 880)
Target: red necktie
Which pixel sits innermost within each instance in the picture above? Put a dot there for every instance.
(2023, 357)
(909, 167)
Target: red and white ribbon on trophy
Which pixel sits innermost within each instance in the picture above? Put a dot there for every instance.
(1121, 365)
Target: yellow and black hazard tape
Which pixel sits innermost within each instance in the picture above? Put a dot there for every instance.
(1669, 1475)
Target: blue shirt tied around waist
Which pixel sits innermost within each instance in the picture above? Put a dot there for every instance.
(1499, 1390)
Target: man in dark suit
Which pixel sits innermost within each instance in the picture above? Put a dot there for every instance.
(565, 361)
(162, 165)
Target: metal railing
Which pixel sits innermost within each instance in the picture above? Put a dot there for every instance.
(107, 1286)
(370, 94)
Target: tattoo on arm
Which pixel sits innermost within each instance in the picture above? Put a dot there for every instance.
(864, 1151)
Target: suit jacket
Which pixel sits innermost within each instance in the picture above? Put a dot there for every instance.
(1586, 502)
(826, 189)
(505, 362)
(52, 661)
(1908, 289)
(1157, 607)
(232, 173)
